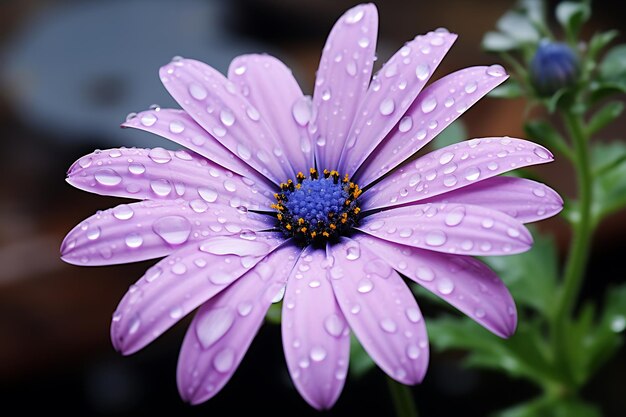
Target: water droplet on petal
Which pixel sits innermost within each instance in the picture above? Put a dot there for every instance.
(148, 119)
(160, 155)
(174, 230)
(197, 91)
(365, 285)
(496, 71)
(386, 107)
(209, 195)
(317, 354)
(227, 117)
(133, 240)
(108, 177)
(355, 15)
(455, 216)
(301, 110)
(334, 325)
(378, 224)
(413, 314)
(161, 187)
(388, 325)
(429, 105)
(445, 286)
(224, 360)
(472, 173)
(412, 352)
(436, 238)
(470, 87)
(364, 42)
(405, 124)
(422, 71)
(93, 233)
(541, 153)
(214, 324)
(176, 312)
(425, 273)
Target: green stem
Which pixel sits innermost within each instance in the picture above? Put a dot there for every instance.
(579, 250)
(402, 399)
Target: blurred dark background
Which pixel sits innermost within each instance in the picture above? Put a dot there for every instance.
(70, 71)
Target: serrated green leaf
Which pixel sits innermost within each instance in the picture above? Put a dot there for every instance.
(498, 42)
(607, 114)
(571, 15)
(517, 26)
(531, 276)
(360, 361)
(510, 89)
(613, 66)
(454, 133)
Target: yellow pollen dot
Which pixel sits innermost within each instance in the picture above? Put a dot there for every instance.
(325, 234)
(313, 234)
(300, 221)
(288, 226)
(298, 186)
(303, 229)
(357, 210)
(279, 216)
(332, 226)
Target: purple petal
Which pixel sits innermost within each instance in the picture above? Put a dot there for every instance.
(180, 283)
(462, 281)
(217, 105)
(224, 327)
(315, 333)
(525, 200)
(454, 228)
(151, 229)
(381, 311)
(277, 98)
(453, 167)
(392, 91)
(162, 174)
(342, 79)
(179, 127)
(435, 108)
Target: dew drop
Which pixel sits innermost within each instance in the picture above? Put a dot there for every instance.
(413, 314)
(224, 360)
(197, 91)
(377, 225)
(429, 105)
(364, 42)
(436, 238)
(472, 173)
(412, 351)
(496, 71)
(446, 157)
(133, 240)
(148, 119)
(354, 16)
(405, 124)
(136, 168)
(301, 110)
(445, 286)
(107, 177)
(160, 155)
(160, 187)
(334, 325)
(317, 354)
(174, 230)
(177, 126)
(455, 216)
(513, 232)
(227, 117)
(176, 312)
(388, 325)
(93, 233)
(470, 87)
(365, 285)
(213, 325)
(386, 107)
(541, 153)
(207, 194)
(425, 273)
(422, 71)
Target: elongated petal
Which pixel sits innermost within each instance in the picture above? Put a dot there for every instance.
(180, 283)
(453, 167)
(162, 174)
(381, 311)
(217, 105)
(315, 333)
(462, 281)
(224, 327)
(151, 229)
(525, 200)
(392, 91)
(435, 108)
(179, 127)
(277, 98)
(342, 80)
(452, 228)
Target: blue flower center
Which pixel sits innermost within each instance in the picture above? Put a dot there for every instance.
(317, 209)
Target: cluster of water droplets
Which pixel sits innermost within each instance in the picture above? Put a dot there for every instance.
(454, 167)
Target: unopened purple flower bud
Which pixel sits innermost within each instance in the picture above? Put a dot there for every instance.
(554, 66)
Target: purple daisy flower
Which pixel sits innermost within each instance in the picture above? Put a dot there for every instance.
(315, 200)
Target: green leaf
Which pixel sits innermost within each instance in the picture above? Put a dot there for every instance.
(607, 114)
(604, 89)
(531, 276)
(549, 407)
(544, 133)
(534, 10)
(571, 15)
(609, 165)
(613, 66)
(523, 355)
(455, 132)
(498, 42)
(360, 361)
(510, 89)
(598, 42)
(517, 26)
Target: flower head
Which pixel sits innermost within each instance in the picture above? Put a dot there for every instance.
(279, 194)
(554, 66)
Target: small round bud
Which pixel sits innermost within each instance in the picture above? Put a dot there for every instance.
(554, 66)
